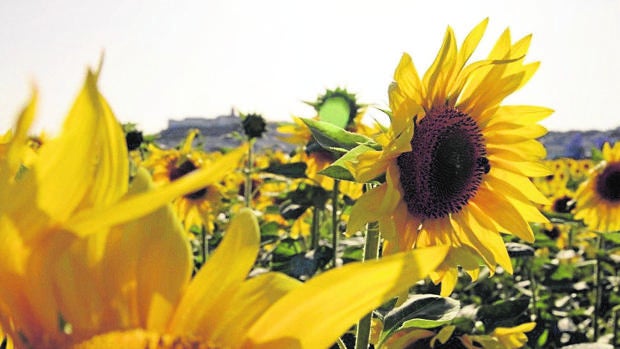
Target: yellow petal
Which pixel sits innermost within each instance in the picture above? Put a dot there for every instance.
(220, 277)
(248, 304)
(136, 206)
(111, 162)
(370, 207)
(503, 213)
(65, 169)
(17, 145)
(354, 289)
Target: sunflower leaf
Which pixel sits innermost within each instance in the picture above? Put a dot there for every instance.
(337, 139)
(339, 170)
(506, 313)
(291, 170)
(420, 311)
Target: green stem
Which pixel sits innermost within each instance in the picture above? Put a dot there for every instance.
(248, 176)
(316, 214)
(335, 192)
(597, 287)
(371, 251)
(534, 290)
(615, 337)
(204, 243)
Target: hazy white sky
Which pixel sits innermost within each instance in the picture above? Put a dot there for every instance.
(174, 59)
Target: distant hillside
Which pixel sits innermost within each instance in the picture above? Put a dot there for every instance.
(220, 132)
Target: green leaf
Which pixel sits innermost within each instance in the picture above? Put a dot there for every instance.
(290, 170)
(597, 154)
(503, 313)
(335, 138)
(542, 339)
(338, 170)
(269, 232)
(563, 272)
(613, 237)
(286, 249)
(420, 311)
(335, 110)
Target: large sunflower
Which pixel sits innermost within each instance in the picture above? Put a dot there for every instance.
(598, 198)
(456, 162)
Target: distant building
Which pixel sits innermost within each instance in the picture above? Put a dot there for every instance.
(224, 131)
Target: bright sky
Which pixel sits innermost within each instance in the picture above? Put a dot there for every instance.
(175, 59)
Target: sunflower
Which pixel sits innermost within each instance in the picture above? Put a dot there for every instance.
(501, 337)
(196, 209)
(73, 196)
(456, 162)
(598, 198)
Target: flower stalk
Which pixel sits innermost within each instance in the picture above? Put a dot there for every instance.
(335, 192)
(371, 251)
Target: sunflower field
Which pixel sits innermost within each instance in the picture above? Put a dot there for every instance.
(449, 227)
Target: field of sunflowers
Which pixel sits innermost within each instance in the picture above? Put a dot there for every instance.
(447, 228)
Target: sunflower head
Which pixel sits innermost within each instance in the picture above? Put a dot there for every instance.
(447, 166)
(254, 125)
(456, 162)
(598, 197)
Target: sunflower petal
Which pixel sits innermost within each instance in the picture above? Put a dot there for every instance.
(250, 301)
(222, 275)
(65, 169)
(136, 206)
(375, 282)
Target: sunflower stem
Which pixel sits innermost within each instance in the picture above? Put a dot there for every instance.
(371, 251)
(316, 214)
(597, 286)
(204, 243)
(335, 192)
(248, 176)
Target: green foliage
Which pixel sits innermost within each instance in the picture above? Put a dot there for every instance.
(419, 311)
(337, 139)
(290, 170)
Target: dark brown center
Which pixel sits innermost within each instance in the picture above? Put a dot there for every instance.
(608, 183)
(181, 170)
(563, 204)
(445, 167)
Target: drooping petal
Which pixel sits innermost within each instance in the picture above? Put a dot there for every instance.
(305, 323)
(65, 169)
(222, 275)
(248, 304)
(138, 205)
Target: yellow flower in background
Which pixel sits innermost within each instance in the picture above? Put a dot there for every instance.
(456, 162)
(197, 208)
(560, 202)
(557, 180)
(598, 198)
(501, 338)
